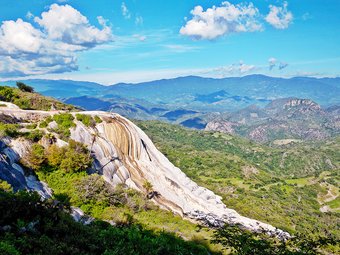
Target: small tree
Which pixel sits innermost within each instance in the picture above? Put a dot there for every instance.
(147, 186)
(36, 156)
(25, 88)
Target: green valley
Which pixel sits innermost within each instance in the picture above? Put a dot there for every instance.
(286, 186)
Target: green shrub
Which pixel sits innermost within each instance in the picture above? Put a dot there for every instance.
(6, 94)
(31, 126)
(87, 120)
(25, 88)
(70, 159)
(34, 135)
(65, 122)
(43, 124)
(11, 130)
(36, 157)
(97, 119)
(5, 186)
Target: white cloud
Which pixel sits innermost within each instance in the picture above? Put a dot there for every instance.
(140, 38)
(28, 50)
(279, 17)
(306, 16)
(179, 48)
(243, 68)
(29, 15)
(219, 21)
(139, 20)
(272, 63)
(282, 65)
(125, 11)
(64, 23)
(234, 69)
(19, 37)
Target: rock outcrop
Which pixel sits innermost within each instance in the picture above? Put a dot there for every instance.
(123, 153)
(10, 170)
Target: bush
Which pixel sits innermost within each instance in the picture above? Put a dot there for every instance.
(72, 158)
(5, 186)
(25, 88)
(6, 94)
(86, 119)
(97, 119)
(34, 136)
(11, 130)
(36, 157)
(65, 122)
(32, 126)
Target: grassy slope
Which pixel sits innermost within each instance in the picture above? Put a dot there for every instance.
(138, 210)
(31, 101)
(269, 193)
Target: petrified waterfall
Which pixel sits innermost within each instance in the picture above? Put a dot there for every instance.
(125, 154)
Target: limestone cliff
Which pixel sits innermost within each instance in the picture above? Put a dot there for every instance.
(123, 153)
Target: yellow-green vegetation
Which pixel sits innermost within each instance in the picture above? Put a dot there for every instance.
(65, 122)
(13, 130)
(120, 204)
(97, 119)
(88, 120)
(45, 122)
(69, 159)
(32, 226)
(5, 186)
(31, 100)
(226, 164)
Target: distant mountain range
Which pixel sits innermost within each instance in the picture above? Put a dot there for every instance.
(198, 93)
(250, 106)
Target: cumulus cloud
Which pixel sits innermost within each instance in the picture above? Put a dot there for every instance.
(51, 46)
(273, 63)
(234, 69)
(125, 11)
(139, 20)
(279, 17)
(64, 23)
(218, 21)
(282, 65)
(29, 15)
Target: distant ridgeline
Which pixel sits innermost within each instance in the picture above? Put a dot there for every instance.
(215, 104)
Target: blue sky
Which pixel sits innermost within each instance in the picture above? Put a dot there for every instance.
(111, 41)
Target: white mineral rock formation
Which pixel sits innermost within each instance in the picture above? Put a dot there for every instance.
(125, 154)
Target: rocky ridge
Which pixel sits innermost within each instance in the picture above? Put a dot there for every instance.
(287, 118)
